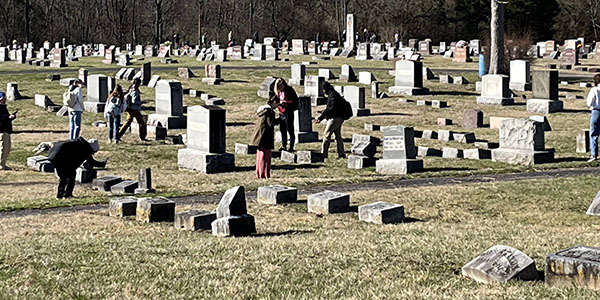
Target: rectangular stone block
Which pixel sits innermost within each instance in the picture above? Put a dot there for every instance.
(122, 207)
(328, 202)
(426, 151)
(124, 187)
(242, 225)
(399, 166)
(245, 149)
(288, 157)
(522, 157)
(381, 213)
(309, 157)
(194, 220)
(276, 194)
(356, 138)
(574, 267)
(583, 141)
(105, 183)
(360, 162)
(85, 175)
(205, 162)
(445, 135)
(155, 210)
(500, 264)
(451, 153)
(477, 154)
(464, 137)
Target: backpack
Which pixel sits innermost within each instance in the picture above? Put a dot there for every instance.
(70, 99)
(346, 112)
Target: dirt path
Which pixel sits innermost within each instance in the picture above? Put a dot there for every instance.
(375, 185)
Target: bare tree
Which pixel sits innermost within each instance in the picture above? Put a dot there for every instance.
(497, 38)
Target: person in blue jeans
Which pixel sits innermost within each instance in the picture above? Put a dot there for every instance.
(115, 105)
(76, 110)
(593, 102)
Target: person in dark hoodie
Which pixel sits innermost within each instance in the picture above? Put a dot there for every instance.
(263, 138)
(6, 130)
(67, 156)
(338, 110)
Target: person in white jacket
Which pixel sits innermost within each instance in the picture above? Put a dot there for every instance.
(115, 106)
(76, 110)
(593, 102)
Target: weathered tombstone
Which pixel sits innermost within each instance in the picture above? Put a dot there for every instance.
(124, 60)
(298, 74)
(106, 182)
(328, 202)
(462, 54)
(267, 88)
(144, 182)
(381, 213)
(271, 53)
(578, 266)
(408, 79)
(164, 51)
(472, 118)
(424, 48)
(303, 121)
(305, 157)
(313, 87)
(59, 58)
(475, 45)
(522, 142)
(109, 56)
(356, 96)
(232, 217)
(146, 73)
(545, 93)
(583, 141)
(542, 119)
(40, 163)
(350, 42)
(500, 264)
(213, 74)
(185, 73)
(399, 151)
(221, 55)
(259, 52)
(569, 59)
(363, 52)
(594, 209)
(464, 137)
(122, 207)
(12, 92)
(520, 78)
(4, 56)
(124, 187)
(205, 150)
(157, 209)
(326, 73)
(20, 56)
(194, 220)
(347, 74)
(495, 90)
(169, 106)
(365, 77)
(298, 47)
(276, 194)
(149, 51)
(97, 93)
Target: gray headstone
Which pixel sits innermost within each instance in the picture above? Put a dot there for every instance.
(499, 264)
(574, 267)
(194, 220)
(398, 143)
(233, 203)
(276, 194)
(381, 213)
(157, 209)
(328, 202)
(122, 207)
(242, 225)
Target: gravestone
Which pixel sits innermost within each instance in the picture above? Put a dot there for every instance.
(221, 55)
(109, 56)
(328, 202)
(12, 92)
(594, 209)
(472, 119)
(169, 106)
(350, 41)
(365, 77)
(381, 213)
(569, 59)
(124, 187)
(194, 220)
(97, 93)
(4, 56)
(212, 74)
(495, 90)
(105, 183)
(20, 56)
(408, 79)
(363, 52)
(205, 150)
(149, 51)
(145, 182)
(298, 47)
(146, 73)
(153, 81)
(545, 93)
(475, 45)
(356, 96)
(578, 266)
(232, 217)
(522, 142)
(271, 53)
(424, 48)
(267, 88)
(500, 264)
(82, 74)
(583, 141)
(313, 87)
(139, 50)
(259, 52)
(550, 47)
(326, 73)
(303, 121)
(185, 73)
(276, 194)
(122, 207)
(298, 74)
(59, 58)
(157, 209)
(399, 151)
(124, 60)
(462, 54)
(520, 78)
(413, 43)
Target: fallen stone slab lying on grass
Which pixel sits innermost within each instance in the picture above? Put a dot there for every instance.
(194, 220)
(122, 207)
(276, 194)
(381, 213)
(500, 264)
(328, 202)
(574, 267)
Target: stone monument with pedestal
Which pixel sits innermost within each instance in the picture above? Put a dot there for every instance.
(409, 79)
(545, 93)
(169, 106)
(302, 122)
(205, 150)
(399, 152)
(522, 143)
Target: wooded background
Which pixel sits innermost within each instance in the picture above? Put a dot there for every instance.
(152, 21)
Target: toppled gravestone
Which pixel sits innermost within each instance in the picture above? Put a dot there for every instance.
(194, 220)
(500, 264)
(381, 213)
(328, 202)
(122, 207)
(276, 194)
(232, 215)
(158, 209)
(578, 266)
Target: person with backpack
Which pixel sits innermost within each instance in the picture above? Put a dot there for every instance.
(287, 98)
(73, 100)
(6, 130)
(134, 110)
(115, 105)
(337, 111)
(264, 134)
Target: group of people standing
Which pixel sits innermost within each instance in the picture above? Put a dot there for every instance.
(285, 101)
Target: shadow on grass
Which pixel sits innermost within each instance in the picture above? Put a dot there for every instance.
(284, 233)
(569, 159)
(238, 124)
(389, 114)
(149, 108)
(574, 111)
(453, 93)
(235, 81)
(568, 90)
(447, 169)
(278, 167)
(26, 183)
(40, 131)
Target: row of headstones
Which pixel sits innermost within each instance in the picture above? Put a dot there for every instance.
(231, 217)
(347, 74)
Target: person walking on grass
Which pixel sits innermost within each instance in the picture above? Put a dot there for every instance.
(134, 110)
(264, 133)
(73, 99)
(287, 98)
(593, 102)
(337, 111)
(115, 105)
(6, 130)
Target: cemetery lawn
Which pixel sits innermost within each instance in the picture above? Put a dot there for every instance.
(25, 189)
(296, 255)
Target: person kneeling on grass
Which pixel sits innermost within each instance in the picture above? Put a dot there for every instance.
(263, 139)
(66, 157)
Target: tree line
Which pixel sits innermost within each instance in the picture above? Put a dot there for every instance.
(155, 21)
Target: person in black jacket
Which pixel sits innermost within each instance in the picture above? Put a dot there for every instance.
(5, 131)
(337, 111)
(66, 157)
